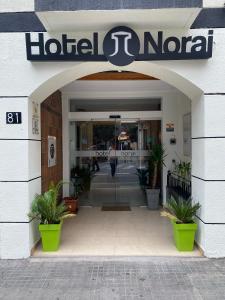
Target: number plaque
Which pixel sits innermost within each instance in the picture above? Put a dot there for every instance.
(13, 118)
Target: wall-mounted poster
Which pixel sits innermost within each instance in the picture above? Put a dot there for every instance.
(187, 134)
(170, 127)
(35, 118)
(51, 151)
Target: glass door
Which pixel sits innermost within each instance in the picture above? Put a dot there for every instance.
(131, 157)
(106, 158)
(90, 156)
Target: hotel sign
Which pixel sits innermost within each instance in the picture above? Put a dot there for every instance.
(117, 153)
(121, 46)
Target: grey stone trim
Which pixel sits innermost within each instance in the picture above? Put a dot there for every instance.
(210, 18)
(28, 222)
(20, 181)
(32, 140)
(208, 180)
(214, 94)
(20, 22)
(70, 5)
(29, 22)
(206, 223)
(13, 97)
(208, 137)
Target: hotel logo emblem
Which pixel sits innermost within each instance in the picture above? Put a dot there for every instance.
(121, 46)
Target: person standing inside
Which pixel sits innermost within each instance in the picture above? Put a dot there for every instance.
(94, 159)
(113, 159)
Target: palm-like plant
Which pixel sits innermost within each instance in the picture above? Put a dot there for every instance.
(46, 208)
(183, 210)
(84, 174)
(142, 175)
(183, 169)
(157, 158)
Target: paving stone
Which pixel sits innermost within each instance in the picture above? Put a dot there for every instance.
(154, 278)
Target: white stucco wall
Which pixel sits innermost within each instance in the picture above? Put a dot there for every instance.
(208, 181)
(201, 73)
(16, 5)
(213, 3)
(20, 79)
(20, 165)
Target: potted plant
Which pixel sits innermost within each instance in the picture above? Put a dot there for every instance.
(142, 174)
(84, 174)
(182, 213)
(72, 202)
(46, 208)
(156, 160)
(183, 169)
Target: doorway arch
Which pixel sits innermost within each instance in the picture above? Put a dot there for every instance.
(156, 70)
(153, 69)
(185, 85)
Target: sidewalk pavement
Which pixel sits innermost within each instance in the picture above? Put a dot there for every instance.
(113, 278)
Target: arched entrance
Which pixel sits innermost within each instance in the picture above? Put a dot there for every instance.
(165, 74)
(156, 70)
(72, 74)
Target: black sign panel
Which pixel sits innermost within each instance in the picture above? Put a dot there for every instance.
(13, 118)
(121, 46)
(114, 116)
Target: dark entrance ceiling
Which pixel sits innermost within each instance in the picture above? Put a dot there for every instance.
(114, 75)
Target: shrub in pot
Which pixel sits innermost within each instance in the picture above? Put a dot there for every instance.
(72, 202)
(182, 213)
(183, 170)
(85, 176)
(50, 213)
(156, 161)
(142, 176)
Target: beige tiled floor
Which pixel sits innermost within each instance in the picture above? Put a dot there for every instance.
(139, 232)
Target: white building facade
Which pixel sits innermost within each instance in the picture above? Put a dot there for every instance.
(25, 82)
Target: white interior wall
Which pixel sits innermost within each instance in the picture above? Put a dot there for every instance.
(184, 108)
(174, 106)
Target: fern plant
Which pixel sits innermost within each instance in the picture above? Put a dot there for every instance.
(46, 208)
(183, 210)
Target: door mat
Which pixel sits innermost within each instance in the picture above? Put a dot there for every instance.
(116, 208)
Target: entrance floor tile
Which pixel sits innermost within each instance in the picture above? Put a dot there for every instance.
(139, 232)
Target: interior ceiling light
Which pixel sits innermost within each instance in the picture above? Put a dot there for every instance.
(123, 136)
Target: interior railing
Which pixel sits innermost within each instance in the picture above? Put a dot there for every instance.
(178, 187)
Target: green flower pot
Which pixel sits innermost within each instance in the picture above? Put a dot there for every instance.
(50, 236)
(184, 235)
